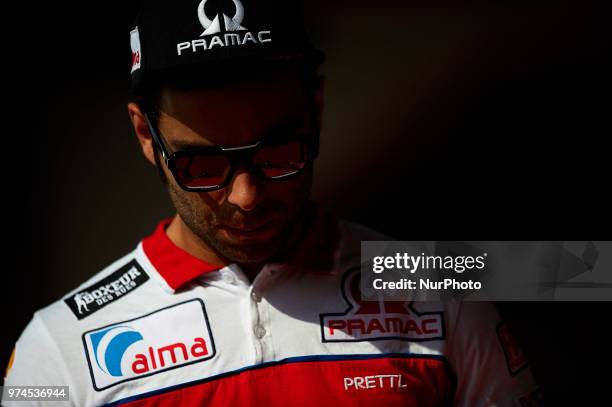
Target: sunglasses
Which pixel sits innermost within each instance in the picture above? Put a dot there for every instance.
(278, 156)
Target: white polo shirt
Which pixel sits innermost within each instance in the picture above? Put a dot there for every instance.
(161, 327)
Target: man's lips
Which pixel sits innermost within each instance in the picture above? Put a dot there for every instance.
(249, 231)
(247, 228)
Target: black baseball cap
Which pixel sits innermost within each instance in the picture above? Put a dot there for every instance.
(205, 36)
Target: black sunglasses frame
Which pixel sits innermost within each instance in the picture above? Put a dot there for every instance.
(237, 156)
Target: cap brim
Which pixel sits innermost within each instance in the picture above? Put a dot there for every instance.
(309, 59)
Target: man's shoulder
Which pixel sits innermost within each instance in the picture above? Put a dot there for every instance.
(113, 283)
(108, 270)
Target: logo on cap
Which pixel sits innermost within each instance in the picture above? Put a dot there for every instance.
(214, 26)
(223, 31)
(135, 45)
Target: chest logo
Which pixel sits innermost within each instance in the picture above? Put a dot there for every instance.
(165, 339)
(378, 320)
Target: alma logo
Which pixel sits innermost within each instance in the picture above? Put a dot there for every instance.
(376, 320)
(144, 363)
(110, 345)
(148, 345)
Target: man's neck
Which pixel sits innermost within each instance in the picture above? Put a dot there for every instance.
(181, 235)
(251, 270)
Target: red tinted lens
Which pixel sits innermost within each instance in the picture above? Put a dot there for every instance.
(201, 171)
(281, 160)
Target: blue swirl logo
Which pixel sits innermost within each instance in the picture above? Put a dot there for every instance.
(110, 345)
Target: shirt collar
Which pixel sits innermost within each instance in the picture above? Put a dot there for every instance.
(174, 265)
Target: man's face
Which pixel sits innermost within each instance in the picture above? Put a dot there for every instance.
(249, 220)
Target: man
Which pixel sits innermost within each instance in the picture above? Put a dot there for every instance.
(250, 294)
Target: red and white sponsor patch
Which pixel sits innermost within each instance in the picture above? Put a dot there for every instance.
(135, 45)
(169, 338)
(371, 320)
(514, 356)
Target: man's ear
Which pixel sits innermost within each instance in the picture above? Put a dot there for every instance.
(142, 131)
(318, 99)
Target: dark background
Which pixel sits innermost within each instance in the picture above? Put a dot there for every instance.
(485, 121)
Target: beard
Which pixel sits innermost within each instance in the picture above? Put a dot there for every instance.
(206, 219)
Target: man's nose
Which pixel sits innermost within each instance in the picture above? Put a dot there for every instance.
(245, 190)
